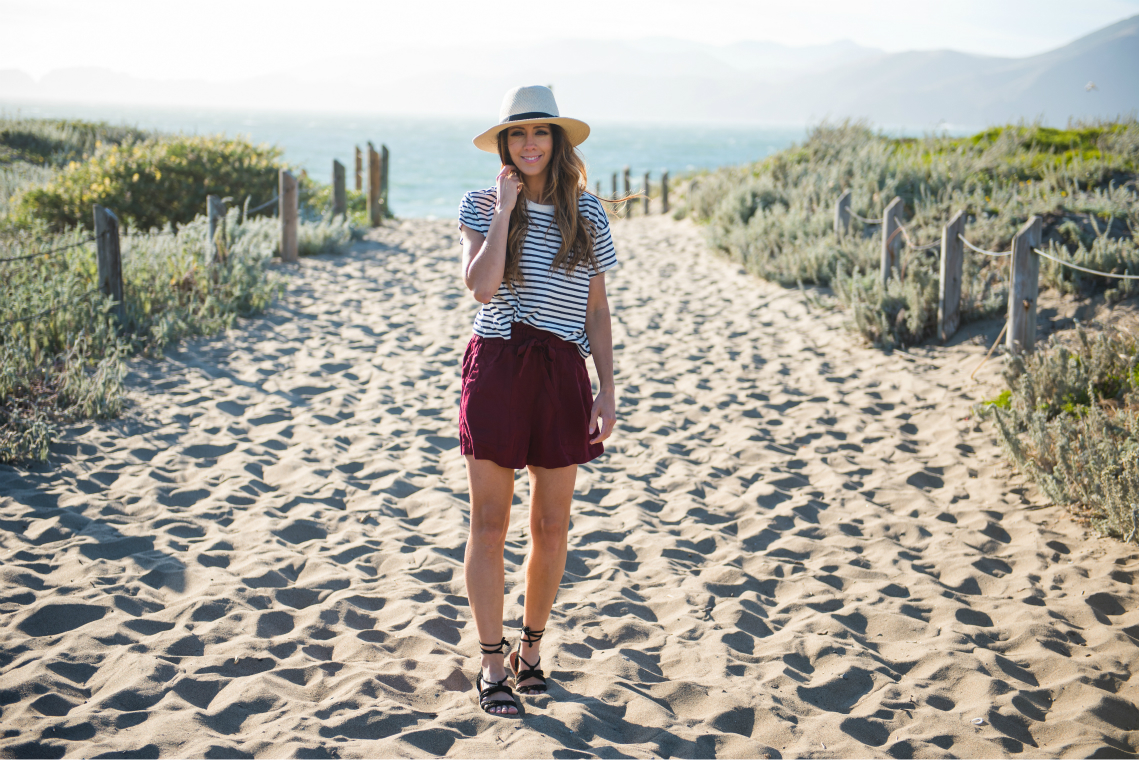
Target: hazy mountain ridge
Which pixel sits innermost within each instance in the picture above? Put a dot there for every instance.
(659, 79)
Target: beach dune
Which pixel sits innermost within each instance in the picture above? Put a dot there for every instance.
(793, 546)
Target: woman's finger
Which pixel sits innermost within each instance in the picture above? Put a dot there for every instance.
(604, 426)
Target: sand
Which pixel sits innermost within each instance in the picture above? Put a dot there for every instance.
(794, 546)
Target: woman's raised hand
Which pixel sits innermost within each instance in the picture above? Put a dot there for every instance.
(509, 185)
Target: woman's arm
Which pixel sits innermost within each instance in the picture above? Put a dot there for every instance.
(599, 330)
(484, 258)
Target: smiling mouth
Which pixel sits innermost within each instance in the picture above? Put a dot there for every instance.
(531, 159)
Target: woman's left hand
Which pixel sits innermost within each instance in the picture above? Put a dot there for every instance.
(604, 415)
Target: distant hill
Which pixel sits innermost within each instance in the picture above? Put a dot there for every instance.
(670, 80)
(936, 86)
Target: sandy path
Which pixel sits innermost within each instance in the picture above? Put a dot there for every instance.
(795, 546)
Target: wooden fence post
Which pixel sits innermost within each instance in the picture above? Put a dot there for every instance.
(628, 192)
(1025, 287)
(664, 191)
(288, 207)
(373, 186)
(339, 197)
(952, 258)
(597, 185)
(108, 258)
(646, 188)
(385, 159)
(891, 237)
(614, 196)
(215, 216)
(359, 169)
(842, 214)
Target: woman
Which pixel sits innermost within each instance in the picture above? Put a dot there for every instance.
(535, 249)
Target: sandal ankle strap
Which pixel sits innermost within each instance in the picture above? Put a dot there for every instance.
(498, 648)
(532, 637)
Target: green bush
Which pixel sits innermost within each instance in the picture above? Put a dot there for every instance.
(1071, 422)
(316, 200)
(153, 183)
(32, 150)
(56, 142)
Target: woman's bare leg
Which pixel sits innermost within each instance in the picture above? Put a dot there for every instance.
(492, 489)
(551, 492)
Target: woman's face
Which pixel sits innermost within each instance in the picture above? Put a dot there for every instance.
(530, 147)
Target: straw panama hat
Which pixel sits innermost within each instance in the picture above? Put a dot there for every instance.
(530, 105)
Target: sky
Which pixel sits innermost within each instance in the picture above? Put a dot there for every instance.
(221, 40)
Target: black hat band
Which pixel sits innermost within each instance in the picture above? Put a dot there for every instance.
(530, 115)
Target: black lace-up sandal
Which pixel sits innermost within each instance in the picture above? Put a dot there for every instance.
(487, 689)
(532, 669)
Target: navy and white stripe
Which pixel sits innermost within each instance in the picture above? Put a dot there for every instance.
(549, 300)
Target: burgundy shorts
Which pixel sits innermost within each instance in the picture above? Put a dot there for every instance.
(526, 401)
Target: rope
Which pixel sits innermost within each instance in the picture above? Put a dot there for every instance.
(91, 239)
(49, 251)
(28, 317)
(266, 204)
(991, 349)
(910, 242)
(864, 220)
(894, 234)
(135, 236)
(982, 250)
(1085, 269)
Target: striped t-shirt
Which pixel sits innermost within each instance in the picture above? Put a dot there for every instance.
(546, 299)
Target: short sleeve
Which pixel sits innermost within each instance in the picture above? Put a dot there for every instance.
(476, 210)
(602, 240)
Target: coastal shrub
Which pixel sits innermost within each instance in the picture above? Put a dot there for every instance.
(331, 235)
(56, 142)
(67, 362)
(776, 216)
(15, 178)
(316, 203)
(320, 235)
(152, 183)
(1070, 421)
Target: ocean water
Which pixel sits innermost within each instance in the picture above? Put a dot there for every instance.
(432, 159)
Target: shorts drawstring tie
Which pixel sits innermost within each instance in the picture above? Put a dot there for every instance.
(527, 348)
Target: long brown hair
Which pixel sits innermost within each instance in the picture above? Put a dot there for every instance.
(565, 183)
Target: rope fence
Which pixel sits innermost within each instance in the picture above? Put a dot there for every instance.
(1024, 267)
(1070, 265)
(264, 205)
(86, 241)
(288, 196)
(149, 235)
(864, 220)
(915, 246)
(48, 252)
(970, 246)
(624, 204)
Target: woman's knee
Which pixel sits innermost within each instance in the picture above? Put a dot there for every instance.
(549, 533)
(488, 533)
